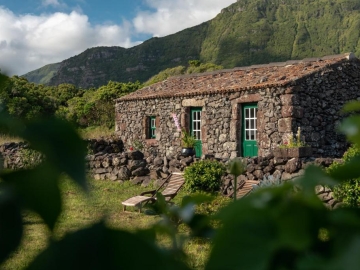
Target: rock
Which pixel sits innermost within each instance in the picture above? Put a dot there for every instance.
(158, 161)
(135, 164)
(135, 155)
(174, 163)
(100, 171)
(293, 165)
(164, 174)
(147, 180)
(250, 168)
(137, 180)
(113, 177)
(286, 176)
(187, 161)
(319, 189)
(116, 161)
(325, 197)
(258, 174)
(154, 174)
(140, 172)
(124, 173)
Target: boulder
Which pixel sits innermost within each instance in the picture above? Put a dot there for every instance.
(135, 155)
(124, 173)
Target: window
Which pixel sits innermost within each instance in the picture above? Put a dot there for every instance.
(152, 127)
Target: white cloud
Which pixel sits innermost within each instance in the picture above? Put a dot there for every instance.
(50, 3)
(28, 42)
(171, 16)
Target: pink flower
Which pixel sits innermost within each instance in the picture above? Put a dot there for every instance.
(285, 142)
(131, 148)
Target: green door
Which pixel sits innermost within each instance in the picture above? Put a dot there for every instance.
(195, 129)
(249, 144)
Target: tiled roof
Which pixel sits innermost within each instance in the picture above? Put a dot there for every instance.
(237, 79)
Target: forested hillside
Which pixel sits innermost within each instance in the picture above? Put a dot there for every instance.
(247, 32)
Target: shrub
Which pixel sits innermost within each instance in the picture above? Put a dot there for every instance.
(204, 175)
(349, 190)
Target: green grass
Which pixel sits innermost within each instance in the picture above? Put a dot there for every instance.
(7, 139)
(95, 132)
(81, 210)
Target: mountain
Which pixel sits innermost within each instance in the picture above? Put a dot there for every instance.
(247, 32)
(42, 75)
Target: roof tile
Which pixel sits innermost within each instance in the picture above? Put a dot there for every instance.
(237, 79)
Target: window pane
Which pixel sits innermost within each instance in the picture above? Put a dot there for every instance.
(252, 134)
(246, 113)
(247, 126)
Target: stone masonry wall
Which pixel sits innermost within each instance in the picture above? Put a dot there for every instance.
(312, 103)
(319, 100)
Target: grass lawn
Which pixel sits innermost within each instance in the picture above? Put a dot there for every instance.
(81, 210)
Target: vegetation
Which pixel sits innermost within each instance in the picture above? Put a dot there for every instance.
(245, 33)
(188, 140)
(294, 141)
(349, 190)
(273, 228)
(236, 167)
(195, 66)
(204, 175)
(84, 108)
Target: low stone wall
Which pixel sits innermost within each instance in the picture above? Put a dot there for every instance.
(109, 163)
(11, 155)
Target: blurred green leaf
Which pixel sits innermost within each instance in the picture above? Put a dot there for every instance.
(348, 170)
(101, 248)
(351, 128)
(312, 177)
(277, 223)
(196, 198)
(61, 145)
(37, 189)
(11, 228)
(351, 106)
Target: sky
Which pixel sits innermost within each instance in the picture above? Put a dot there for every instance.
(34, 33)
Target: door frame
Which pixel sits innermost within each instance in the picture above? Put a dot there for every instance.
(198, 146)
(243, 128)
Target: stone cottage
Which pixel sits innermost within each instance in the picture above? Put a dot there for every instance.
(246, 111)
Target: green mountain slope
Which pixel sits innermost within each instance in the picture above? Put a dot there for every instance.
(42, 75)
(247, 32)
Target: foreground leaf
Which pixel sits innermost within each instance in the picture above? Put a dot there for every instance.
(37, 189)
(99, 247)
(61, 145)
(11, 228)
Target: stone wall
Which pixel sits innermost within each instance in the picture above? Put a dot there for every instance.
(318, 101)
(11, 155)
(312, 103)
(143, 169)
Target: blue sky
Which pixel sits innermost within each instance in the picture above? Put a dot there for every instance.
(34, 33)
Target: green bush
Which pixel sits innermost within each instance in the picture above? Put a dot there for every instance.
(349, 190)
(204, 175)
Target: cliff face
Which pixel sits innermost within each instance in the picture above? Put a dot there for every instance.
(247, 32)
